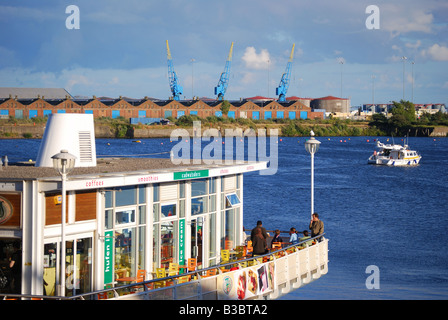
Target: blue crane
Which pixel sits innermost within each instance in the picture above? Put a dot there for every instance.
(220, 89)
(176, 89)
(282, 88)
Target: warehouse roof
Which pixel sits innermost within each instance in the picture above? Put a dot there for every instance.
(33, 93)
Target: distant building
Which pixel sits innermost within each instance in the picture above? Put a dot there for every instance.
(419, 108)
(12, 105)
(305, 101)
(333, 105)
(33, 93)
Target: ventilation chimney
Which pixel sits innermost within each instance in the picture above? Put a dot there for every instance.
(72, 132)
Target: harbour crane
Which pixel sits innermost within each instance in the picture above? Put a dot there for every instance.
(176, 88)
(220, 89)
(282, 88)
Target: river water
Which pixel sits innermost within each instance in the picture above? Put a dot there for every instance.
(394, 219)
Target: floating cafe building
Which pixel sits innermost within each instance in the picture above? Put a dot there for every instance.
(135, 228)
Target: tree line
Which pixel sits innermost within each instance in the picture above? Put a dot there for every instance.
(404, 120)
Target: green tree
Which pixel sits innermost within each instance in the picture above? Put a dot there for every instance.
(404, 108)
(225, 107)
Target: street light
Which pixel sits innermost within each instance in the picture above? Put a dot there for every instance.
(404, 62)
(312, 145)
(63, 162)
(192, 78)
(341, 62)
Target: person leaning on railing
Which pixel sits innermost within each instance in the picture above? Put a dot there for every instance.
(259, 242)
(263, 231)
(293, 237)
(305, 236)
(316, 226)
(276, 237)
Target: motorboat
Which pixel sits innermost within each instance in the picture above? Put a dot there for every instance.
(394, 155)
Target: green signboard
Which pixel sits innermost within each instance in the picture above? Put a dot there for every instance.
(108, 257)
(181, 241)
(190, 174)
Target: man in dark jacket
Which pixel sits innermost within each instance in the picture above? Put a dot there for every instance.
(316, 226)
(263, 231)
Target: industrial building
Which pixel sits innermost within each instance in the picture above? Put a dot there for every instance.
(419, 108)
(257, 109)
(332, 105)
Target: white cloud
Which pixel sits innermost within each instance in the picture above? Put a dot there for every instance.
(437, 52)
(399, 19)
(254, 60)
(23, 13)
(415, 45)
(248, 78)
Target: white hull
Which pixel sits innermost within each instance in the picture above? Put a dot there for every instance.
(394, 162)
(394, 155)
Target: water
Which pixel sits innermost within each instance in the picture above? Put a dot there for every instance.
(393, 218)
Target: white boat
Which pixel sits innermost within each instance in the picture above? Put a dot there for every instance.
(394, 155)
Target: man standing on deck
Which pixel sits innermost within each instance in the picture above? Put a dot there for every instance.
(263, 231)
(316, 226)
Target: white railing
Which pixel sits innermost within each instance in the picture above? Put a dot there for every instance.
(283, 271)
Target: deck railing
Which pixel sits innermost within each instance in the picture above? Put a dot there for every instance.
(287, 269)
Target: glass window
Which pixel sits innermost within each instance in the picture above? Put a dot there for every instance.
(198, 187)
(229, 226)
(109, 219)
(109, 199)
(142, 215)
(212, 235)
(155, 241)
(212, 185)
(168, 234)
(199, 205)
(128, 229)
(141, 194)
(223, 203)
(50, 251)
(156, 192)
(212, 202)
(182, 208)
(125, 216)
(168, 210)
(124, 253)
(232, 200)
(222, 184)
(155, 209)
(141, 247)
(182, 189)
(125, 196)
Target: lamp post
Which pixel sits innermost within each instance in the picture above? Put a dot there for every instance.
(192, 78)
(63, 162)
(312, 145)
(404, 62)
(341, 62)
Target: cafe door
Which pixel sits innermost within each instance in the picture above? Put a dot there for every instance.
(78, 266)
(197, 232)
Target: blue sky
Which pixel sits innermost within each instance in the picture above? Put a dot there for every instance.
(120, 48)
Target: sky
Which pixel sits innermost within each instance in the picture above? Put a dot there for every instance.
(118, 48)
